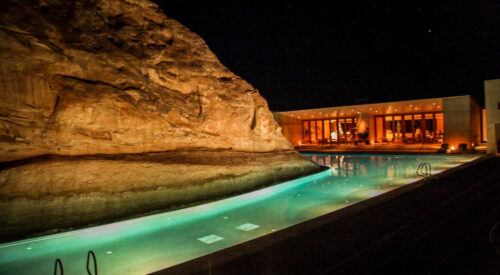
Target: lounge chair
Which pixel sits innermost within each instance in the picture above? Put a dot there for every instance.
(462, 147)
(444, 148)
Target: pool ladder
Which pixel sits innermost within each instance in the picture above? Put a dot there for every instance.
(59, 266)
(424, 170)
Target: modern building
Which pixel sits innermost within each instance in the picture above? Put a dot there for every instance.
(492, 104)
(453, 120)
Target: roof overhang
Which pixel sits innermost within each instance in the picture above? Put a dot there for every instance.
(395, 107)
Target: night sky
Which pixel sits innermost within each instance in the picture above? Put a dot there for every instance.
(309, 55)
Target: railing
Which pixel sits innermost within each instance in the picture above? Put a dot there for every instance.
(59, 266)
(91, 253)
(424, 170)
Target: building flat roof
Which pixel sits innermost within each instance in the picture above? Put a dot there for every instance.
(394, 107)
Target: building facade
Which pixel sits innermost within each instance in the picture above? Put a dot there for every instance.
(492, 104)
(452, 120)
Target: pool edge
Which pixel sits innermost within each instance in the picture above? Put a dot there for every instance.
(235, 252)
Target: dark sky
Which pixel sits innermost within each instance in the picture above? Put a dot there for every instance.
(307, 55)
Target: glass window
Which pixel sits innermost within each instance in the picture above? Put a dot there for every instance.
(439, 127)
(429, 126)
(306, 134)
(341, 133)
(389, 128)
(398, 128)
(333, 130)
(408, 126)
(417, 127)
(313, 131)
(327, 130)
(319, 124)
(380, 128)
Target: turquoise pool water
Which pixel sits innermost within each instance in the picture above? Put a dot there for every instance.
(151, 243)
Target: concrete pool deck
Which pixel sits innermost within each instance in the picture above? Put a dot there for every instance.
(440, 225)
(378, 148)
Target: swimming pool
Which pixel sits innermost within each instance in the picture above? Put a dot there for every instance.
(155, 242)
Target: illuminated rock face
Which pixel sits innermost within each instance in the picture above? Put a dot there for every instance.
(101, 87)
(114, 77)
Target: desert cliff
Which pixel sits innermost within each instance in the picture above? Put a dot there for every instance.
(111, 108)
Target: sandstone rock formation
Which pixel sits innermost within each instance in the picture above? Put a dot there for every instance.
(112, 79)
(87, 77)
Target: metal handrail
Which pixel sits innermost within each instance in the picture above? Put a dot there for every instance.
(91, 252)
(424, 170)
(58, 263)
